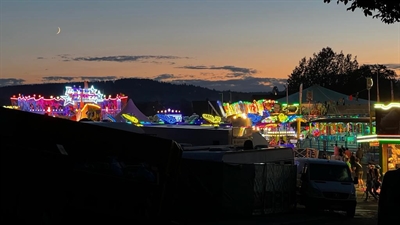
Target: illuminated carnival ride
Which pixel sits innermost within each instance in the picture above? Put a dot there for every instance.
(77, 103)
(267, 116)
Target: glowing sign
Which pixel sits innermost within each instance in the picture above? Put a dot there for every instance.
(212, 119)
(73, 94)
(386, 107)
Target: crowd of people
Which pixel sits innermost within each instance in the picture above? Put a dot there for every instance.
(372, 183)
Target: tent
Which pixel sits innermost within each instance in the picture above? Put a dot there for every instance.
(131, 109)
(321, 94)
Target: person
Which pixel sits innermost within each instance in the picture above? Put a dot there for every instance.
(341, 152)
(348, 163)
(353, 160)
(359, 173)
(281, 141)
(272, 142)
(389, 198)
(370, 184)
(376, 179)
(347, 152)
(336, 150)
(359, 154)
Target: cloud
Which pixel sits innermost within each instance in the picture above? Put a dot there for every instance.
(164, 76)
(58, 78)
(40, 57)
(99, 78)
(393, 66)
(11, 81)
(65, 57)
(247, 84)
(234, 71)
(123, 58)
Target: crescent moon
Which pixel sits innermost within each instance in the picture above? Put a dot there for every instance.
(59, 30)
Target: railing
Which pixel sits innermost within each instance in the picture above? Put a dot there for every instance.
(327, 143)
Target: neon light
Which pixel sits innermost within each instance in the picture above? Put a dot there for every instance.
(167, 119)
(374, 138)
(255, 118)
(93, 115)
(111, 118)
(244, 107)
(69, 102)
(40, 104)
(379, 136)
(212, 119)
(73, 95)
(221, 108)
(386, 107)
(10, 107)
(130, 118)
(286, 108)
(380, 140)
(191, 119)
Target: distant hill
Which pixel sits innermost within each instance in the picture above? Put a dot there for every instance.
(139, 90)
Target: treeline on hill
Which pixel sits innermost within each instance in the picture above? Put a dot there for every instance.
(148, 95)
(341, 73)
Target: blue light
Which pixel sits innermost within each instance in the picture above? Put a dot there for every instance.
(167, 119)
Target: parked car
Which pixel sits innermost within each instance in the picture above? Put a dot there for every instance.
(326, 184)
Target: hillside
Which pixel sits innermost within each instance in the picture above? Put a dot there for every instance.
(140, 90)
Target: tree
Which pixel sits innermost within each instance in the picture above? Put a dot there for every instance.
(325, 68)
(341, 73)
(387, 10)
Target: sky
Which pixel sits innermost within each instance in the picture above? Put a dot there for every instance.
(219, 44)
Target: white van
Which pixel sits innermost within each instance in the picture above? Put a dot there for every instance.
(326, 184)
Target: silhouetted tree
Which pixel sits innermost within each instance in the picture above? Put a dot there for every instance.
(387, 10)
(341, 73)
(325, 68)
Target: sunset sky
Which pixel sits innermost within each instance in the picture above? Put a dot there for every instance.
(222, 44)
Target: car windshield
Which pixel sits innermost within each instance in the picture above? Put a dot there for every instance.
(328, 172)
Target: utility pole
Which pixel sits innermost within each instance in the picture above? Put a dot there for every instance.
(377, 86)
(287, 94)
(391, 91)
(370, 83)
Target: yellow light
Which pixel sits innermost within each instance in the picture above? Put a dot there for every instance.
(212, 119)
(130, 118)
(386, 107)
